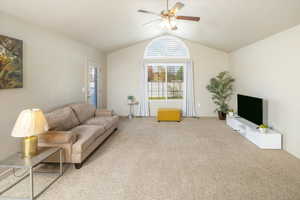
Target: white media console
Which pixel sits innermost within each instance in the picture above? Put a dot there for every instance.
(269, 140)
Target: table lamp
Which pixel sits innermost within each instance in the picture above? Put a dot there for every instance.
(30, 123)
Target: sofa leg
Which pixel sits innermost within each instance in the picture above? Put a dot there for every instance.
(78, 165)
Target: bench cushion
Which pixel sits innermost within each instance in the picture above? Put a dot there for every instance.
(168, 114)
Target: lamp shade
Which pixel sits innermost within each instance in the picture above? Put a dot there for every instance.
(29, 123)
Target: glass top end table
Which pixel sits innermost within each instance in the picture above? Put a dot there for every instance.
(17, 161)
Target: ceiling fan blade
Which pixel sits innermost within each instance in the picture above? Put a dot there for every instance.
(188, 18)
(148, 12)
(152, 21)
(177, 7)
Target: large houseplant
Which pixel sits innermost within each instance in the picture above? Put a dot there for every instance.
(221, 88)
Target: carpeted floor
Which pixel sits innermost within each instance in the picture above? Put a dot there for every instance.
(192, 160)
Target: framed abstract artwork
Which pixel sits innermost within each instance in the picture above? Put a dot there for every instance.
(11, 63)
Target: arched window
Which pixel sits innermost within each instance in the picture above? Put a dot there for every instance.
(166, 47)
(165, 80)
(167, 77)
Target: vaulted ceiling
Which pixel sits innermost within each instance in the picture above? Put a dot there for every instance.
(109, 25)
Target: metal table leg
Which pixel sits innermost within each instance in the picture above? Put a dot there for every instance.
(31, 184)
(61, 162)
(130, 116)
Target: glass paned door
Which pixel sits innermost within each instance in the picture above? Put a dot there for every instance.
(92, 90)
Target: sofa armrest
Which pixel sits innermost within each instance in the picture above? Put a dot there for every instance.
(58, 137)
(103, 112)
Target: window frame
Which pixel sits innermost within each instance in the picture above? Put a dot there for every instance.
(165, 65)
(178, 41)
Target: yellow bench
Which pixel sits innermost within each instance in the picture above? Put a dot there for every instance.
(168, 114)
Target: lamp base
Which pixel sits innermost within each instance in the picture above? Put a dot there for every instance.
(30, 147)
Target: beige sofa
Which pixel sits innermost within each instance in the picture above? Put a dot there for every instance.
(79, 129)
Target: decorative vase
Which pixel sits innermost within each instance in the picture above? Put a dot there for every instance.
(222, 116)
(263, 130)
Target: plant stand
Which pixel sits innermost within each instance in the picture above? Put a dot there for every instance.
(131, 109)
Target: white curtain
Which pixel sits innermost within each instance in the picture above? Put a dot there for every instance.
(189, 101)
(144, 109)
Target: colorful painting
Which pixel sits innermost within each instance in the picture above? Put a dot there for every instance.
(11, 63)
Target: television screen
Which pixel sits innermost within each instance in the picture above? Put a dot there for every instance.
(250, 108)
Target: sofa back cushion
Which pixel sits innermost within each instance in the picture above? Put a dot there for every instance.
(83, 111)
(62, 119)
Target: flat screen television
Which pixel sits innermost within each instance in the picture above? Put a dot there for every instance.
(251, 109)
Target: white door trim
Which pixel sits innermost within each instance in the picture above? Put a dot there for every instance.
(90, 61)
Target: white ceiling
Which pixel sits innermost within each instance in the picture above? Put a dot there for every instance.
(109, 25)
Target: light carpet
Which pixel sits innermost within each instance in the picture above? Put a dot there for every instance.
(192, 160)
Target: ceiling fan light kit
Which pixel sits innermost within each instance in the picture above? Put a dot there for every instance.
(169, 17)
(169, 23)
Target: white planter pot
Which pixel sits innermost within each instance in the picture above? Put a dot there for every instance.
(231, 114)
(263, 130)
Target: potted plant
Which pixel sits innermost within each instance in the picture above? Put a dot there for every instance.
(221, 88)
(231, 112)
(263, 128)
(130, 99)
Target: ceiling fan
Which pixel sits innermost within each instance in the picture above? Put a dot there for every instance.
(169, 16)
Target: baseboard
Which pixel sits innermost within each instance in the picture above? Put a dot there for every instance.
(153, 117)
(207, 117)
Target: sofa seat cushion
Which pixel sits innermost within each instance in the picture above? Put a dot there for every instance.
(107, 122)
(62, 119)
(86, 135)
(83, 111)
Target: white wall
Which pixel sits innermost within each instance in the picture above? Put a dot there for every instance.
(53, 74)
(270, 69)
(124, 75)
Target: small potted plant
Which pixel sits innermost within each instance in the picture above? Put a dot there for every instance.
(263, 128)
(130, 99)
(231, 112)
